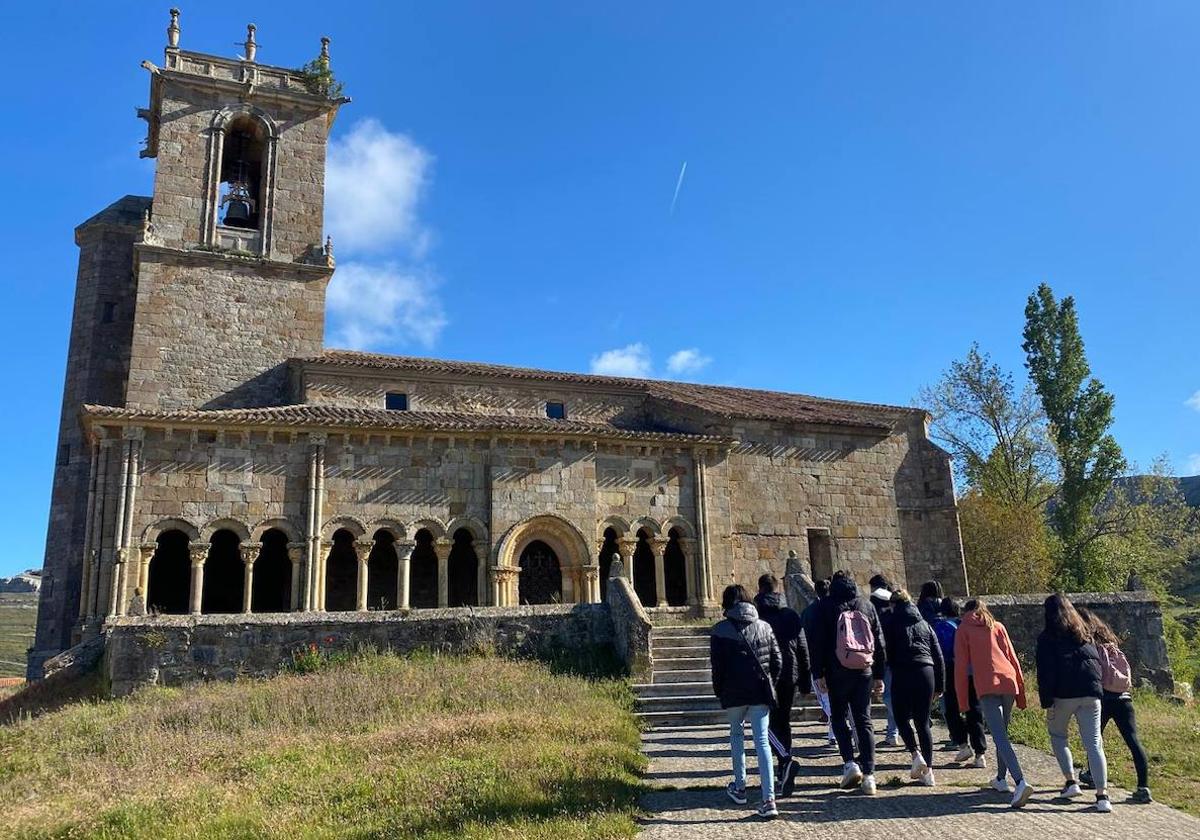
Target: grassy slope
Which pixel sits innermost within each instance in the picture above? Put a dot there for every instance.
(18, 615)
(1170, 733)
(378, 747)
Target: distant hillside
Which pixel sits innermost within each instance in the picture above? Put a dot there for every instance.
(18, 616)
(1188, 485)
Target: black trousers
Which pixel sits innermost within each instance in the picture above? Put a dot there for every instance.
(850, 702)
(780, 721)
(965, 728)
(912, 697)
(1119, 708)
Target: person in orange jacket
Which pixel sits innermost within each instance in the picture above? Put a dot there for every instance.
(984, 657)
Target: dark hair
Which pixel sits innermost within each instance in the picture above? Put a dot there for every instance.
(879, 582)
(734, 594)
(1062, 619)
(950, 608)
(768, 583)
(1101, 632)
(931, 589)
(822, 587)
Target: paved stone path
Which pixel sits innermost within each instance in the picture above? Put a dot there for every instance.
(693, 763)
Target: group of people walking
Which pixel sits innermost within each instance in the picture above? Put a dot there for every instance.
(849, 650)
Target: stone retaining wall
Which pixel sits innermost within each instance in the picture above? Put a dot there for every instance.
(175, 650)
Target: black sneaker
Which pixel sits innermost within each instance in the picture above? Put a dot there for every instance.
(787, 785)
(1141, 796)
(1085, 780)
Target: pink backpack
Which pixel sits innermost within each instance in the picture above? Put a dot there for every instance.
(855, 646)
(1115, 673)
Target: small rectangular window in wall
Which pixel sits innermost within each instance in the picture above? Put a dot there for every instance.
(109, 314)
(396, 401)
(820, 553)
(556, 410)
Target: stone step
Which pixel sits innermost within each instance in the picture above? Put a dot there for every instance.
(658, 642)
(683, 675)
(673, 689)
(676, 651)
(659, 719)
(677, 630)
(681, 663)
(676, 703)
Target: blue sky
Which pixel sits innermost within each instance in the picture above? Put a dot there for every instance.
(870, 187)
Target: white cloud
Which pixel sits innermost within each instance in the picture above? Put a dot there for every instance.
(631, 360)
(1193, 401)
(690, 360)
(1192, 467)
(376, 306)
(374, 179)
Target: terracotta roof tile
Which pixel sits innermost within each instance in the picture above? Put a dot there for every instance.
(723, 401)
(324, 417)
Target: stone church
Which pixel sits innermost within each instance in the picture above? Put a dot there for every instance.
(215, 457)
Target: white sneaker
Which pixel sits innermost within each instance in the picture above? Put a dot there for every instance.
(890, 741)
(918, 766)
(851, 775)
(927, 780)
(980, 761)
(964, 754)
(1021, 794)
(1001, 785)
(1103, 805)
(868, 785)
(1070, 791)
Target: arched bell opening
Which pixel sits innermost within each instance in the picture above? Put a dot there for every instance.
(170, 574)
(423, 572)
(382, 570)
(272, 588)
(462, 571)
(243, 152)
(224, 574)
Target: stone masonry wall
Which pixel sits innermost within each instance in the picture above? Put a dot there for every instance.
(216, 332)
(176, 650)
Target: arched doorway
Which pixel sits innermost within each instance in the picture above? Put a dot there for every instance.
(224, 574)
(540, 580)
(170, 574)
(423, 572)
(382, 569)
(607, 551)
(643, 571)
(341, 573)
(272, 591)
(675, 570)
(462, 571)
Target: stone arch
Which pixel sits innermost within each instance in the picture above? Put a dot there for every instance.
(239, 529)
(423, 570)
(224, 571)
(223, 118)
(153, 532)
(435, 527)
(476, 528)
(645, 576)
(675, 569)
(648, 524)
(619, 524)
(169, 577)
(271, 590)
(341, 572)
(278, 524)
(355, 526)
(679, 523)
(609, 545)
(382, 570)
(462, 570)
(561, 535)
(393, 527)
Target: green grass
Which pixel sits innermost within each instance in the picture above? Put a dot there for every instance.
(18, 616)
(1169, 731)
(379, 746)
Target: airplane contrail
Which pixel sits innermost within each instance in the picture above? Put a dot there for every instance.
(678, 185)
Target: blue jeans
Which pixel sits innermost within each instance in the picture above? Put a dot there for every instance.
(893, 732)
(758, 717)
(997, 713)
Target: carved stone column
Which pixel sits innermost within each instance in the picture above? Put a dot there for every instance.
(404, 557)
(147, 554)
(659, 546)
(442, 547)
(504, 581)
(591, 588)
(115, 607)
(627, 547)
(363, 550)
(326, 546)
(199, 554)
(691, 569)
(295, 552)
(249, 555)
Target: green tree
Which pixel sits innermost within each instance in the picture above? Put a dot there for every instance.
(1006, 546)
(997, 435)
(1080, 413)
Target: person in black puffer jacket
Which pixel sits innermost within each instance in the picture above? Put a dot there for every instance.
(918, 677)
(746, 664)
(849, 690)
(1070, 685)
(789, 632)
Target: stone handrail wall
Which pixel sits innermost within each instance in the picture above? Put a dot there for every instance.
(630, 624)
(179, 649)
(1136, 617)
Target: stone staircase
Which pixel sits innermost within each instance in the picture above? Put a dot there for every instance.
(679, 693)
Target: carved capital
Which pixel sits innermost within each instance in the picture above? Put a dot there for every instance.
(404, 550)
(295, 551)
(198, 553)
(363, 548)
(121, 556)
(250, 552)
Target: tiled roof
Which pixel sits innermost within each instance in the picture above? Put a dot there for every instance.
(320, 417)
(723, 401)
(126, 211)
